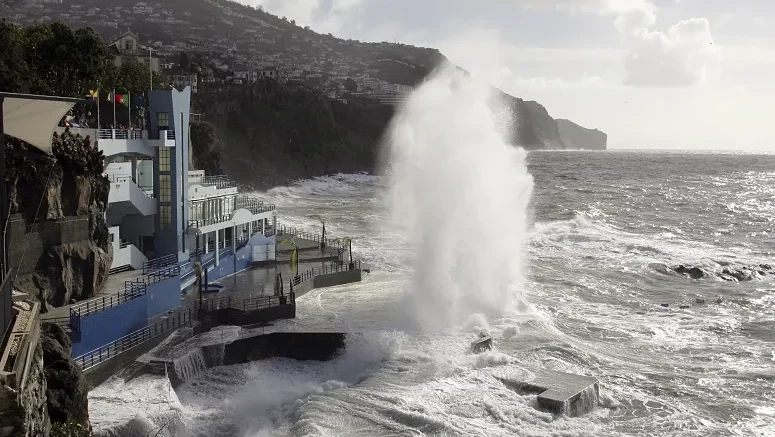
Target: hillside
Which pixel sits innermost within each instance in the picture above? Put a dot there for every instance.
(577, 137)
(226, 38)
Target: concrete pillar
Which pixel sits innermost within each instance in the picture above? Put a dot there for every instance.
(206, 237)
(134, 169)
(217, 252)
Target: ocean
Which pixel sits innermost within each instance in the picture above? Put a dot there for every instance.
(603, 227)
(651, 271)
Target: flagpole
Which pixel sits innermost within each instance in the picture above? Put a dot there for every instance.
(98, 111)
(150, 68)
(115, 123)
(130, 110)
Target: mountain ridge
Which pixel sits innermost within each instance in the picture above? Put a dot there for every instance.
(243, 38)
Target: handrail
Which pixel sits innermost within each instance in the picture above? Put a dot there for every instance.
(102, 303)
(159, 263)
(262, 302)
(327, 270)
(285, 230)
(132, 290)
(136, 338)
(218, 181)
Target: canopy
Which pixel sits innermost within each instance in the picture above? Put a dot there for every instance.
(33, 118)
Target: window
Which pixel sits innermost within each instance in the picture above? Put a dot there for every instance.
(164, 159)
(165, 217)
(128, 45)
(163, 120)
(165, 189)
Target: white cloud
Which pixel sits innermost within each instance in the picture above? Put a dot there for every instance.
(684, 55)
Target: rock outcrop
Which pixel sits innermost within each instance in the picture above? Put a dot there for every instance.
(59, 241)
(578, 137)
(24, 413)
(67, 390)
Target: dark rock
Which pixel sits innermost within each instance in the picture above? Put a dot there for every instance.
(67, 391)
(692, 272)
(68, 263)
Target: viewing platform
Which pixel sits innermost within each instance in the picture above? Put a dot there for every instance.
(125, 141)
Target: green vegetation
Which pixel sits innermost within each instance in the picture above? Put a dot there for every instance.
(55, 59)
(70, 429)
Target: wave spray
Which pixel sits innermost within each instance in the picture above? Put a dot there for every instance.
(460, 193)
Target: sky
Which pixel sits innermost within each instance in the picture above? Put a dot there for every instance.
(653, 74)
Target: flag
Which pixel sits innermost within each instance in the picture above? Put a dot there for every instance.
(94, 94)
(110, 96)
(122, 99)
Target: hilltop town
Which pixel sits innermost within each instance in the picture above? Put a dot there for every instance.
(218, 41)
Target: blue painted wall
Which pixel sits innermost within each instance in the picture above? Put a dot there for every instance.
(108, 326)
(163, 297)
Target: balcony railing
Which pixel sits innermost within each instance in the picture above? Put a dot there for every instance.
(218, 181)
(254, 205)
(134, 134)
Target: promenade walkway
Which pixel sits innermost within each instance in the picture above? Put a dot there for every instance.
(114, 284)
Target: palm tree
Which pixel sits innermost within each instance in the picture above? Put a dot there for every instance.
(198, 283)
(323, 237)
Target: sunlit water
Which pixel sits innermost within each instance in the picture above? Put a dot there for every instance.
(600, 223)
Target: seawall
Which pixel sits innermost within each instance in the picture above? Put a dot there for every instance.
(303, 346)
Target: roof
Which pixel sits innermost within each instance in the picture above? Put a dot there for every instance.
(33, 118)
(118, 38)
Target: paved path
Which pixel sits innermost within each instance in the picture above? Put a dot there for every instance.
(113, 285)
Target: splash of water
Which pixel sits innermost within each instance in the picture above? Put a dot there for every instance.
(460, 193)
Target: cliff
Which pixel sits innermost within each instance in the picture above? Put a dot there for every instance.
(577, 137)
(60, 246)
(269, 134)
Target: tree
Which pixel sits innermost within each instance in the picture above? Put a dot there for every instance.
(51, 59)
(185, 63)
(293, 22)
(351, 85)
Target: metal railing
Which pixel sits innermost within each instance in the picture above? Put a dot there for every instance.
(132, 290)
(218, 181)
(327, 270)
(246, 304)
(127, 342)
(253, 205)
(102, 303)
(159, 263)
(329, 242)
(155, 276)
(200, 223)
(264, 302)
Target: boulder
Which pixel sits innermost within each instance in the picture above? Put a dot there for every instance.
(67, 390)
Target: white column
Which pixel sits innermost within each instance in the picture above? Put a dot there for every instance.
(217, 252)
(207, 240)
(250, 228)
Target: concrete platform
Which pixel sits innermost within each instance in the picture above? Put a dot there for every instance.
(560, 393)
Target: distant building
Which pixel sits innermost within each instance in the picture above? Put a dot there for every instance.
(181, 81)
(127, 47)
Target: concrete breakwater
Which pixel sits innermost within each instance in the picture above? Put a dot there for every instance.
(303, 346)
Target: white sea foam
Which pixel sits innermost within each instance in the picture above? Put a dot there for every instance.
(459, 192)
